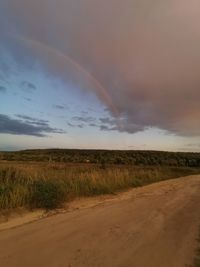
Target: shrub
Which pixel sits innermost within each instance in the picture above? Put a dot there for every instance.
(48, 194)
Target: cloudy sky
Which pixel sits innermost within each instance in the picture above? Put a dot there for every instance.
(100, 74)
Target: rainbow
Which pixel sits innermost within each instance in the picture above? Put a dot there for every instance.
(95, 84)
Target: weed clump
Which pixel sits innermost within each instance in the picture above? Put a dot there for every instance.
(48, 193)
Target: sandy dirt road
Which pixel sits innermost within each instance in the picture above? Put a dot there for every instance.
(153, 226)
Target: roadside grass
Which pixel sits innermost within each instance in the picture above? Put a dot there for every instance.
(50, 185)
(197, 258)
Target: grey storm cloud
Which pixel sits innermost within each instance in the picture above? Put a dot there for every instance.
(61, 107)
(26, 125)
(93, 125)
(75, 125)
(32, 120)
(2, 89)
(28, 99)
(140, 57)
(121, 125)
(107, 124)
(28, 86)
(84, 119)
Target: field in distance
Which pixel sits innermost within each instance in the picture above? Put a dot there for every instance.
(118, 157)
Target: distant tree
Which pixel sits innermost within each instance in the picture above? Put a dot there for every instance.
(102, 163)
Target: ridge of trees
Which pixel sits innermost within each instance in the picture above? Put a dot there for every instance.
(119, 157)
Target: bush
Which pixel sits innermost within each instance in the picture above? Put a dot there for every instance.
(48, 194)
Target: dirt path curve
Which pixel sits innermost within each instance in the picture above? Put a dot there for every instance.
(153, 226)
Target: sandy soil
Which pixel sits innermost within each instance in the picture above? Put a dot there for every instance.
(153, 226)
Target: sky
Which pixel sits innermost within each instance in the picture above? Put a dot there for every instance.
(106, 74)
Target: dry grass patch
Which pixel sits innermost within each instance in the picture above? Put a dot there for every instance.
(45, 185)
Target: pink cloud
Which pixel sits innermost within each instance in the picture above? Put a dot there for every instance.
(140, 57)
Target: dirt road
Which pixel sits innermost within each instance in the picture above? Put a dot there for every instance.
(153, 226)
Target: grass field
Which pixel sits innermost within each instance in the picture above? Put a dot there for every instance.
(49, 185)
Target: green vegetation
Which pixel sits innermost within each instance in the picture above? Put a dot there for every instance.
(49, 185)
(104, 157)
(48, 193)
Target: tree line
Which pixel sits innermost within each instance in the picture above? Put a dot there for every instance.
(119, 157)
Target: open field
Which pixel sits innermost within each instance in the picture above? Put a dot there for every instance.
(151, 226)
(48, 185)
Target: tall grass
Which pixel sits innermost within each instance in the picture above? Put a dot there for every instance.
(197, 258)
(50, 185)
